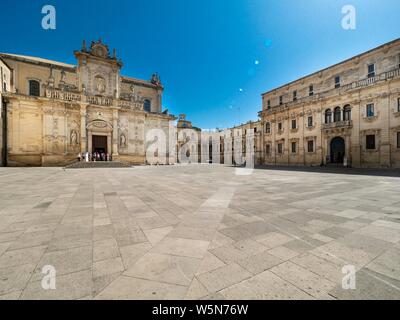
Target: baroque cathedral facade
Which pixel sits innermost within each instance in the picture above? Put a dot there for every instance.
(53, 111)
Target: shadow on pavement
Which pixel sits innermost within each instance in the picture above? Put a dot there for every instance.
(336, 170)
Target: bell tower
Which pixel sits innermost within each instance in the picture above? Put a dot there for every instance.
(98, 71)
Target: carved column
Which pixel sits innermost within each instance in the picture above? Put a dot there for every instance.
(109, 143)
(115, 133)
(83, 128)
(90, 139)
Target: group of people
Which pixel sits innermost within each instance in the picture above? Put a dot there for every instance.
(95, 156)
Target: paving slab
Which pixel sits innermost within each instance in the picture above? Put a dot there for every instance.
(198, 232)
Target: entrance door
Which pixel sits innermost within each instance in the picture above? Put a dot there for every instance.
(338, 150)
(99, 144)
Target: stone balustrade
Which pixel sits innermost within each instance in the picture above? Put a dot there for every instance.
(57, 94)
(337, 124)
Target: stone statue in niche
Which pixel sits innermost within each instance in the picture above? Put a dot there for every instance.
(100, 84)
(134, 94)
(122, 141)
(50, 81)
(63, 77)
(74, 137)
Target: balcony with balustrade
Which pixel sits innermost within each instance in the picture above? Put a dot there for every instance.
(57, 94)
(337, 125)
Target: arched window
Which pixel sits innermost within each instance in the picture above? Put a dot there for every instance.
(337, 114)
(347, 113)
(147, 105)
(328, 116)
(34, 88)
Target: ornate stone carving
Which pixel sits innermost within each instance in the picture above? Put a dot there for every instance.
(99, 124)
(155, 79)
(63, 77)
(74, 137)
(100, 84)
(99, 49)
(122, 141)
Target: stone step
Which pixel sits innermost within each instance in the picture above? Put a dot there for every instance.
(98, 164)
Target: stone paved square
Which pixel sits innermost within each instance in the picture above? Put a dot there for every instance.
(198, 232)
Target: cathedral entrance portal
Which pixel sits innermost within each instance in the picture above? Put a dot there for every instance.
(99, 144)
(99, 137)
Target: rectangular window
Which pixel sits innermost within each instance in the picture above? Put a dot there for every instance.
(280, 148)
(337, 82)
(295, 95)
(371, 70)
(370, 142)
(294, 124)
(34, 88)
(268, 104)
(370, 110)
(310, 121)
(267, 127)
(268, 149)
(280, 126)
(398, 140)
(280, 100)
(311, 90)
(294, 147)
(398, 104)
(310, 145)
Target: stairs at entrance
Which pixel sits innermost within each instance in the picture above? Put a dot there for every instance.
(98, 164)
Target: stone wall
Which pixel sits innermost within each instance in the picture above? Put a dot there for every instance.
(355, 92)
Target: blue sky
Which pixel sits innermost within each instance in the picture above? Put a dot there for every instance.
(215, 57)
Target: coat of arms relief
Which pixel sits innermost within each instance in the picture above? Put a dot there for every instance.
(100, 84)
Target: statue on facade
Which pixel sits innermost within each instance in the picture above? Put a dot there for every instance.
(50, 81)
(122, 141)
(74, 137)
(100, 84)
(155, 79)
(63, 77)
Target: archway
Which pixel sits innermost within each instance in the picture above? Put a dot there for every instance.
(338, 150)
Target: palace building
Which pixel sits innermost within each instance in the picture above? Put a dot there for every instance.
(53, 111)
(346, 114)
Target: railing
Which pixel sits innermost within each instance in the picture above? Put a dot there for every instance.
(124, 104)
(52, 93)
(63, 95)
(338, 124)
(99, 101)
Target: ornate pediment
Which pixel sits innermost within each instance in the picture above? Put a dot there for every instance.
(99, 49)
(99, 125)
